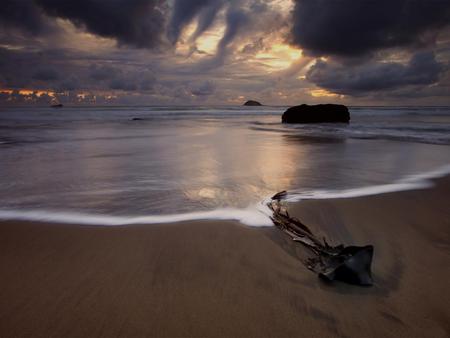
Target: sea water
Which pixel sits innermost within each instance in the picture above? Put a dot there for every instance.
(125, 165)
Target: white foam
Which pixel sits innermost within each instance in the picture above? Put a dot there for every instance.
(413, 182)
(256, 215)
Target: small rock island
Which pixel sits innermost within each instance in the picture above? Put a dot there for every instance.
(320, 113)
(252, 103)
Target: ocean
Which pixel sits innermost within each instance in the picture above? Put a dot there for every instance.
(123, 165)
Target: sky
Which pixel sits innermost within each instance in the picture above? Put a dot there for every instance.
(217, 52)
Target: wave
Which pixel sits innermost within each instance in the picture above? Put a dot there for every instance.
(258, 215)
(418, 134)
(413, 182)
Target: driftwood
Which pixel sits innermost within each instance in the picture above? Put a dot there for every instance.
(350, 264)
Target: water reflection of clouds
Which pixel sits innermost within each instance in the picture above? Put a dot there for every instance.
(238, 166)
(193, 164)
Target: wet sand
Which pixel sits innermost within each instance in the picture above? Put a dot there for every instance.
(210, 279)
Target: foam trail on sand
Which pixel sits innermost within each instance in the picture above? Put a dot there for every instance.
(419, 181)
(256, 215)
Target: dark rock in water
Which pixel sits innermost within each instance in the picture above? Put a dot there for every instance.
(59, 105)
(252, 103)
(321, 113)
(137, 119)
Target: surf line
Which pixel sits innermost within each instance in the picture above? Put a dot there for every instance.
(258, 214)
(412, 182)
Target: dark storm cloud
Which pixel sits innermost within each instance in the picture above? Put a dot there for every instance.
(46, 74)
(422, 69)
(102, 72)
(43, 69)
(16, 67)
(236, 19)
(206, 19)
(355, 27)
(137, 23)
(24, 16)
(123, 84)
(133, 81)
(241, 21)
(238, 14)
(68, 84)
(185, 11)
(61, 71)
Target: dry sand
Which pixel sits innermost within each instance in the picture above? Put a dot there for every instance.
(211, 279)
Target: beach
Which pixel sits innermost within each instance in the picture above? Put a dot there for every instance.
(215, 168)
(225, 279)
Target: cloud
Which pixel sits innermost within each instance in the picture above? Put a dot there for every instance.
(132, 81)
(240, 23)
(205, 88)
(44, 46)
(23, 68)
(422, 69)
(102, 72)
(68, 84)
(24, 16)
(147, 82)
(351, 28)
(236, 20)
(121, 83)
(137, 23)
(185, 11)
(254, 46)
(46, 74)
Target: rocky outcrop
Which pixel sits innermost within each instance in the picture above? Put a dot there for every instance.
(321, 113)
(252, 103)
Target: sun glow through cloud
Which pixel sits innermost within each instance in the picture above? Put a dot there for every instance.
(209, 41)
(224, 48)
(279, 56)
(204, 44)
(324, 93)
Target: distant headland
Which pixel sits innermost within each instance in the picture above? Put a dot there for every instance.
(252, 103)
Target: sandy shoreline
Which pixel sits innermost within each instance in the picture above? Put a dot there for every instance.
(224, 279)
